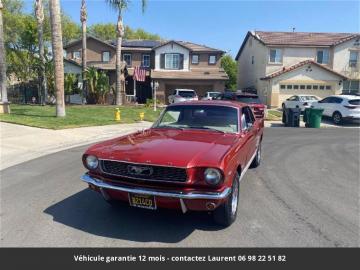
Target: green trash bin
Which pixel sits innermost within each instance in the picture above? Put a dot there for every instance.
(314, 118)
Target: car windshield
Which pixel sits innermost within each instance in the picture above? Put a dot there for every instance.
(248, 99)
(209, 117)
(186, 93)
(214, 94)
(308, 98)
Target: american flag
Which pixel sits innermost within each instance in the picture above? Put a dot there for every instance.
(139, 74)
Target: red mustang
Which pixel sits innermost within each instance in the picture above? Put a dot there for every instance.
(192, 158)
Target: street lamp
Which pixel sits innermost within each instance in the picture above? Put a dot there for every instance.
(154, 86)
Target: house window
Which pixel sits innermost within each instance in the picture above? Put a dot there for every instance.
(322, 87)
(353, 58)
(275, 56)
(127, 59)
(323, 56)
(252, 60)
(296, 87)
(76, 55)
(302, 87)
(146, 60)
(351, 87)
(106, 56)
(195, 59)
(212, 59)
(308, 87)
(315, 87)
(282, 86)
(172, 61)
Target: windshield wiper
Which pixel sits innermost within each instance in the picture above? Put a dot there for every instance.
(172, 127)
(207, 128)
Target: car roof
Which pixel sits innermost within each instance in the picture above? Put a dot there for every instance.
(224, 103)
(180, 89)
(346, 96)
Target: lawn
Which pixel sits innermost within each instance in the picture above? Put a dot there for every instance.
(76, 115)
(273, 115)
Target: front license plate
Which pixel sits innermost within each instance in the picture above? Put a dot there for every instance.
(142, 201)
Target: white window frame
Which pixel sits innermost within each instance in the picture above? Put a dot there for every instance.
(354, 62)
(171, 62)
(278, 56)
(325, 52)
(146, 63)
(128, 54)
(76, 52)
(212, 62)
(102, 56)
(192, 59)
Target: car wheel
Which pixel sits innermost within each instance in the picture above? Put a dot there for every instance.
(226, 213)
(337, 118)
(257, 159)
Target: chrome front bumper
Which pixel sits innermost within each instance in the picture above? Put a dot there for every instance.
(146, 191)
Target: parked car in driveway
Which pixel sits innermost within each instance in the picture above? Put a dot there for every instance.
(192, 158)
(211, 95)
(252, 99)
(340, 107)
(180, 95)
(299, 101)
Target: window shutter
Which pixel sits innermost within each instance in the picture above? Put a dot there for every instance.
(162, 61)
(181, 61)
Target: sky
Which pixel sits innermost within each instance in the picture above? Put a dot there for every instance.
(224, 24)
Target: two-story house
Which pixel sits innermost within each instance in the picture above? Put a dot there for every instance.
(281, 64)
(173, 64)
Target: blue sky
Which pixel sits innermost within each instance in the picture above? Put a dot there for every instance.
(224, 24)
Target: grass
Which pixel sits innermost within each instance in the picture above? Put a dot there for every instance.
(76, 116)
(273, 115)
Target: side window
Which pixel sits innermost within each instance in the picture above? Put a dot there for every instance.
(326, 100)
(243, 121)
(337, 100)
(247, 117)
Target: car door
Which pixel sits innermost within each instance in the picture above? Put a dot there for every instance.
(334, 105)
(292, 102)
(324, 104)
(250, 129)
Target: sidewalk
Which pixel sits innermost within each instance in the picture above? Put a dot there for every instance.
(21, 143)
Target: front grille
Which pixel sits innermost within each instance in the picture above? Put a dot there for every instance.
(151, 172)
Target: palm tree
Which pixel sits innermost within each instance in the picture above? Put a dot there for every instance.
(39, 13)
(120, 6)
(57, 50)
(4, 98)
(83, 18)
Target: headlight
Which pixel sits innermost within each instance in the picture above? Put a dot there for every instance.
(212, 176)
(92, 162)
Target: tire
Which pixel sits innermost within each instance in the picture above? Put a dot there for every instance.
(226, 213)
(257, 159)
(337, 118)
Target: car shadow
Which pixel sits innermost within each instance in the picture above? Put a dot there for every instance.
(88, 212)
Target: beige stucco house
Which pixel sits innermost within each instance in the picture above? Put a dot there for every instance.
(281, 64)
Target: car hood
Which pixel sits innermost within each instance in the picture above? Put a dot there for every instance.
(168, 147)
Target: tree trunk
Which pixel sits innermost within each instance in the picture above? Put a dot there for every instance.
(83, 18)
(39, 12)
(4, 98)
(57, 49)
(119, 95)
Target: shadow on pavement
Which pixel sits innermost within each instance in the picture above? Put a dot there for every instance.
(87, 211)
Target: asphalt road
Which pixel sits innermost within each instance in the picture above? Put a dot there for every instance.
(305, 193)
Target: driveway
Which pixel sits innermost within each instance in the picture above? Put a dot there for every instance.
(305, 193)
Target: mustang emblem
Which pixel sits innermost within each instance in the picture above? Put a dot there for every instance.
(139, 170)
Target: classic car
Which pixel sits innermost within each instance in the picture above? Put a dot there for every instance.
(192, 158)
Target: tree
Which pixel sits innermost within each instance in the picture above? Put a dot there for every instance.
(4, 98)
(83, 18)
(230, 67)
(98, 84)
(120, 6)
(39, 13)
(57, 49)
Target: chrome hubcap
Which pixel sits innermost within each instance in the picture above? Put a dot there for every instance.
(234, 200)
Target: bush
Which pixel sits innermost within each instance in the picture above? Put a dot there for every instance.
(150, 102)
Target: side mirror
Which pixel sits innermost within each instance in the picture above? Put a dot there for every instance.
(250, 125)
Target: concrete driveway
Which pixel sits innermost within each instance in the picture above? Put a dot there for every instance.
(305, 193)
